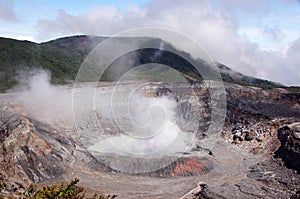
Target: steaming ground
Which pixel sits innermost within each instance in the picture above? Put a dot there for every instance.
(153, 130)
(49, 103)
(145, 127)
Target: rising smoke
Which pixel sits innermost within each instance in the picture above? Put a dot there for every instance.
(153, 128)
(141, 126)
(42, 100)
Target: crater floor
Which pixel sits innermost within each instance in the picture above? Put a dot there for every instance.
(254, 155)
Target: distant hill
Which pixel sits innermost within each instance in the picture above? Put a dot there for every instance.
(63, 57)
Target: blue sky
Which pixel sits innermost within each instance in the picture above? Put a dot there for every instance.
(234, 32)
(281, 16)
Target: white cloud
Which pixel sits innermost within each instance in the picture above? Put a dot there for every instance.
(273, 34)
(292, 60)
(7, 11)
(213, 28)
(25, 38)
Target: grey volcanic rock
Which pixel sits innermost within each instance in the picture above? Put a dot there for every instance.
(23, 145)
(33, 152)
(274, 174)
(289, 150)
(250, 136)
(256, 101)
(266, 179)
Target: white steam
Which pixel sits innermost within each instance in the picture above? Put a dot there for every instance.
(153, 131)
(42, 100)
(140, 126)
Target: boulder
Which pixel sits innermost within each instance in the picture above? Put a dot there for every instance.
(250, 136)
(289, 151)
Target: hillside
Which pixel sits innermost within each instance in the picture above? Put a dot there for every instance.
(63, 57)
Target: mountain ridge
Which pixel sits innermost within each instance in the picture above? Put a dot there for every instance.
(63, 57)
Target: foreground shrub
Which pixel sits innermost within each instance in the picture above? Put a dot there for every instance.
(63, 191)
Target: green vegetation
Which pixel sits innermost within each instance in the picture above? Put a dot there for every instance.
(295, 89)
(157, 68)
(63, 191)
(61, 57)
(237, 78)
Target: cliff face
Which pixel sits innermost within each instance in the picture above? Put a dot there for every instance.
(31, 152)
(264, 123)
(289, 150)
